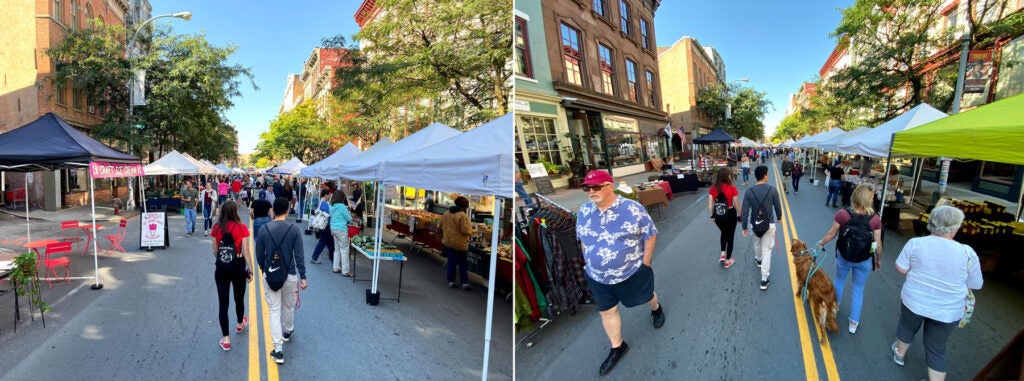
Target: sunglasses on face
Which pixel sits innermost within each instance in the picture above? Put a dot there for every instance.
(588, 188)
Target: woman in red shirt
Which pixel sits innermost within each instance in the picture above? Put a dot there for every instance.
(724, 192)
(234, 268)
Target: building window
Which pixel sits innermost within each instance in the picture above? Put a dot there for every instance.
(572, 55)
(601, 8)
(634, 88)
(73, 25)
(76, 98)
(652, 96)
(539, 140)
(522, 49)
(59, 94)
(624, 17)
(645, 38)
(88, 15)
(58, 11)
(607, 70)
(623, 138)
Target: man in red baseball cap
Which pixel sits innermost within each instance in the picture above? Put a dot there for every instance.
(617, 236)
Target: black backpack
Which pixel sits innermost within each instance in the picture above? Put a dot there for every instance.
(761, 223)
(274, 270)
(720, 207)
(855, 238)
(226, 250)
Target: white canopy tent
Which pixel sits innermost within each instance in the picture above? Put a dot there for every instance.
(204, 169)
(290, 167)
(333, 170)
(816, 140)
(877, 141)
(173, 163)
(478, 162)
(786, 144)
(369, 165)
(744, 142)
(345, 153)
(829, 144)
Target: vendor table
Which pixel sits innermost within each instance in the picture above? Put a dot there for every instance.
(652, 198)
(163, 203)
(400, 258)
(682, 182)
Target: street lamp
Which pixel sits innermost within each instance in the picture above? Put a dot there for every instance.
(130, 47)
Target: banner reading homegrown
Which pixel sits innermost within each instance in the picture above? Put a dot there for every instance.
(104, 170)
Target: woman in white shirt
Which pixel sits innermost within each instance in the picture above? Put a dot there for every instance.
(939, 272)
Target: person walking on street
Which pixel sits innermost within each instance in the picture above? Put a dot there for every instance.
(340, 217)
(270, 195)
(617, 237)
(857, 229)
(724, 195)
(357, 203)
(260, 214)
(209, 197)
(189, 198)
(760, 197)
(835, 184)
(280, 237)
(745, 167)
(236, 189)
(326, 239)
(455, 231)
(787, 172)
(798, 172)
(301, 195)
(521, 191)
(222, 191)
(733, 164)
(234, 267)
(278, 188)
(940, 274)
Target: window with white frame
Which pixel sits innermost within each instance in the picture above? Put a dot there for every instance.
(624, 17)
(539, 139)
(607, 70)
(523, 66)
(572, 55)
(634, 87)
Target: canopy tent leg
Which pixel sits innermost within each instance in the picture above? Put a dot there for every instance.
(916, 179)
(885, 185)
(95, 254)
(1020, 199)
(378, 236)
(28, 225)
(490, 283)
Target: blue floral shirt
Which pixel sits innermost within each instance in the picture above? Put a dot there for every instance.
(613, 240)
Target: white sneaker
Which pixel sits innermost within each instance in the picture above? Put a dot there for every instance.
(853, 326)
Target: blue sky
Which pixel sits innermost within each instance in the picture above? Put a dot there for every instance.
(274, 39)
(777, 44)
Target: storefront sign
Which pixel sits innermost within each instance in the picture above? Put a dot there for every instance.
(536, 170)
(103, 170)
(521, 105)
(979, 70)
(621, 124)
(153, 229)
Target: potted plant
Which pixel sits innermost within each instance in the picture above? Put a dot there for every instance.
(27, 283)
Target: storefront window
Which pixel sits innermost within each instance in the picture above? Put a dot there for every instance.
(623, 137)
(998, 172)
(539, 139)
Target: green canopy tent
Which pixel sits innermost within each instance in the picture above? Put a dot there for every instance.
(994, 132)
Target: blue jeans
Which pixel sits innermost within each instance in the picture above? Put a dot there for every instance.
(207, 212)
(457, 257)
(833, 191)
(258, 223)
(190, 220)
(746, 174)
(796, 182)
(326, 242)
(523, 194)
(861, 270)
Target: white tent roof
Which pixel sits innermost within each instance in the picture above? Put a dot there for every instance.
(876, 142)
(173, 163)
(204, 168)
(333, 170)
(744, 142)
(813, 141)
(788, 143)
(223, 167)
(478, 162)
(369, 165)
(346, 153)
(830, 143)
(214, 167)
(290, 167)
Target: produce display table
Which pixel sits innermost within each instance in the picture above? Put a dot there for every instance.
(395, 257)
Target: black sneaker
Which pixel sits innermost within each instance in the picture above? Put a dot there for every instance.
(658, 316)
(613, 358)
(288, 335)
(278, 356)
(314, 261)
(758, 262)
(764, 284)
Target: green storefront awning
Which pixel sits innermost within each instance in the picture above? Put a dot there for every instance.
(993, 132)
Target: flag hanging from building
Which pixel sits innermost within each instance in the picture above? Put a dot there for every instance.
(139, 88)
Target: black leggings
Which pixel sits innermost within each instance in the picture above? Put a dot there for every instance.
(226, 276)
(728, 229)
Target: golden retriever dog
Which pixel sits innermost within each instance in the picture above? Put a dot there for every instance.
(820, 292)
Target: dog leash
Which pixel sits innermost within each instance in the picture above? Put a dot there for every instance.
(815, 266)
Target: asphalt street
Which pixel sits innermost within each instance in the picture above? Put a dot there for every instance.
(156, 318)
(721, 326)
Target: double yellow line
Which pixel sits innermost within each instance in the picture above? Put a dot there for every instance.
(789, 233)
(254, 321)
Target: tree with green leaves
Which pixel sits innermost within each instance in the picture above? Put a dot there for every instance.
(300, 133)
(189, 87)
(748, 106)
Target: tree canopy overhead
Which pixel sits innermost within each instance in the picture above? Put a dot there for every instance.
(749, 107)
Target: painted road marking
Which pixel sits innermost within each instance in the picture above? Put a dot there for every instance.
(254, 321)
(826, 350)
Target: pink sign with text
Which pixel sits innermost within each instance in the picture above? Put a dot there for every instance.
(104, 170)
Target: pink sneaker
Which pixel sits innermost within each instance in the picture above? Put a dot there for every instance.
(245, 323)
(225, 345)
(729, 262)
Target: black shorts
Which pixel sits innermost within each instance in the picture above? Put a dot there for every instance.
(634, 291)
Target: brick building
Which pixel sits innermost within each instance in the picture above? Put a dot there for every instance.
(687, 68)
(604, 65)
(27, 89)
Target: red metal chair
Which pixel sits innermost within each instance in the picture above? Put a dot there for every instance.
(52, 263)
(115, 240)
(72, 238)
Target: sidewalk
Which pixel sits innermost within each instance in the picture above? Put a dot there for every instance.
(572, 198)
(104, 213)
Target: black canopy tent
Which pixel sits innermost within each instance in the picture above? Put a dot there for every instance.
(714, 137)
(49, 143)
